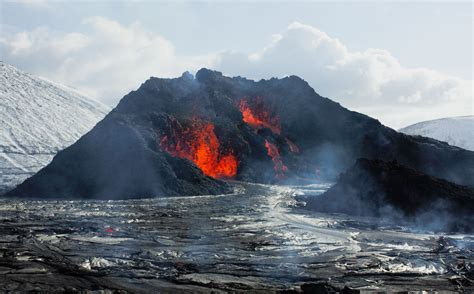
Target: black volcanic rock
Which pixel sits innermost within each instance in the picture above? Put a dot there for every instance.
(391, 190)
(115, 161)
(122, 157)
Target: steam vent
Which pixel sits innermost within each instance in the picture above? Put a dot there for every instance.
(191, 135)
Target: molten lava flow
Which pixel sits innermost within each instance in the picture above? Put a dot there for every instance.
(199, 144)
(257, 116)
(273, 152)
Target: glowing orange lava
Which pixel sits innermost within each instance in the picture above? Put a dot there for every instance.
(200, 144)
(273, 152)
(257, 116)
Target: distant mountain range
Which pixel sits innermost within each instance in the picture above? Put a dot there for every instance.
(456, 131)
(38, 118)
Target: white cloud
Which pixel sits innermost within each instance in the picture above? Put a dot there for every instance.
(107, 63)
(32, 3)
(112, 59)
(371, 81)
(41, 41)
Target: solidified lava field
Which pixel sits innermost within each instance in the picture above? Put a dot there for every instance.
(257, 239)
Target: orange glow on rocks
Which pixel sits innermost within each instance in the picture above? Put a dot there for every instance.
(258, 116)
(199, 144)
(278, 165)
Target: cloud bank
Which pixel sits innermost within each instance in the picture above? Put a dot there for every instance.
(112, 59)
(372, 81)
(106, 63)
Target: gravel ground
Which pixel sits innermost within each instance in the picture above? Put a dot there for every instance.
(258, 239)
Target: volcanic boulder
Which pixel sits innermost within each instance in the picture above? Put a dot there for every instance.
(391, 190)
(185, 135)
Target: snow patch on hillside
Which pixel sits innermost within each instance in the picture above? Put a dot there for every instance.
(456, 131)
(38, 119)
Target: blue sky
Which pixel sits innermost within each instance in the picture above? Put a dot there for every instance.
(375, 57)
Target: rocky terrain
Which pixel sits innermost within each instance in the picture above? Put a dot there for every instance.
(38, 118)
(393, 192)
(184, 136)
(254, 240)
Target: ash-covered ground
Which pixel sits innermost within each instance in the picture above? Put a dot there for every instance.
(256, 239)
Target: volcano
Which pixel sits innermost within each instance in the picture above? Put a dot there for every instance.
(190, 135)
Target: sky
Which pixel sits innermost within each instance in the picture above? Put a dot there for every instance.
(399, 62)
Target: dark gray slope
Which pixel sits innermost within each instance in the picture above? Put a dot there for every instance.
(392, 191)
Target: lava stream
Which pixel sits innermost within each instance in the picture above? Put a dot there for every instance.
(200, 144)
(258, 116)
(273, 152)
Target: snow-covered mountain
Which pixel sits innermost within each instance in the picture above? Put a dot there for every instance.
(457, 131)
(38, 118)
